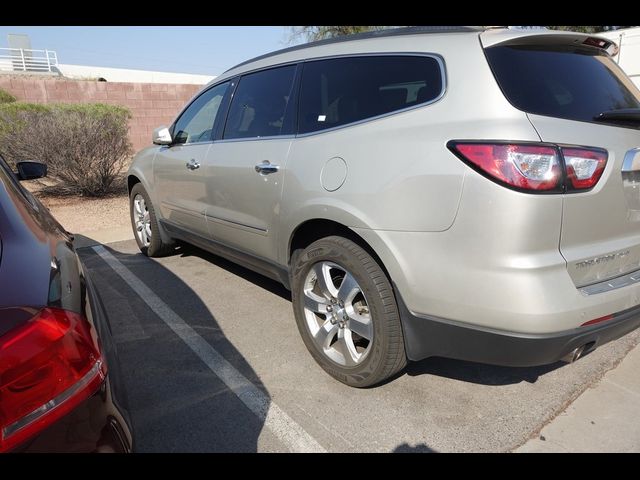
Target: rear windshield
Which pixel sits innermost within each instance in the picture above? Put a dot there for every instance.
(570, 82)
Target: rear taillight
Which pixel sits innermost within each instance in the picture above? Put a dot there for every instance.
(48, 366)
(526, 167)
(584, 166)
(530, 167)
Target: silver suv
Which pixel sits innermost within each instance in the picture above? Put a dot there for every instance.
(422, 192)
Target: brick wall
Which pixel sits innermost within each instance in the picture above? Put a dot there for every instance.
(151, 104)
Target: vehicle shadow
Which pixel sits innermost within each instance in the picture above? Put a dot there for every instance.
(478, 373)
(464, 371)
(176, 403)
(268, 284)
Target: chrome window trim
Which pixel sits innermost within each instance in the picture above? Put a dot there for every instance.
(435, 56)
(232, 140)
(253, 139)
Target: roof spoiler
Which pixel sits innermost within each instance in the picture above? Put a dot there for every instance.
(543, 36)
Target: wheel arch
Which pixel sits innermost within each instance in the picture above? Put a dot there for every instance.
(314, 229)
(132, 180)
(136, 178)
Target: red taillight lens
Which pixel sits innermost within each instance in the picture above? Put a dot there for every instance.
(48, 366)
(534, 167)
(521, 166)
(584, 166)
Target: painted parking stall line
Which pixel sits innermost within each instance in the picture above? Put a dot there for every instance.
(274, 418)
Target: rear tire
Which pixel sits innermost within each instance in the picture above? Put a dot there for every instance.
(346, 312)
(146, 229)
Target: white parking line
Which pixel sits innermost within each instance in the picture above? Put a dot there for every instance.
(274, 418)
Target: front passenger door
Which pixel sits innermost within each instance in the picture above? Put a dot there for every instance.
(180, 184)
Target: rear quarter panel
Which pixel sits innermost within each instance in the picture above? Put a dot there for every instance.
(400, 175)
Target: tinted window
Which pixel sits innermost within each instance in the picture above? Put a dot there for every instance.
(344, 90)
(196, 123)
(567, 82)
(259, 104)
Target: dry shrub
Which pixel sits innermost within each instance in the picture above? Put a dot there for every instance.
(6, 97)
(85, 146)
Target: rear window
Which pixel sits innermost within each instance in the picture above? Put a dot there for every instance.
(345, 90)
(570, 82)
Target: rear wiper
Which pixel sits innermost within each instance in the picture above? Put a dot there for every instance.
(625, 114)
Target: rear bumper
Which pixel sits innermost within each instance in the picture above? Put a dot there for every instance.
(431, 337)
(94, 426)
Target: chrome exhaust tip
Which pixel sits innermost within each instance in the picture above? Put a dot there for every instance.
(573, 355)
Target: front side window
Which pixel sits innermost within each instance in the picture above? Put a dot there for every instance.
(259, 104)
(197, 121)
(339, 91)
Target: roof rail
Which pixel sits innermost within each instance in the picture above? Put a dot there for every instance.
(390, 32)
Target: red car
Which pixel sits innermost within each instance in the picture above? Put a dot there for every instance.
(59, 385)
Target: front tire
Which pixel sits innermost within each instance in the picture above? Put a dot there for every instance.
(146, 229)
(346, 312)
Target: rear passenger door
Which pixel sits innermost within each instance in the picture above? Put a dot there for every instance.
(244, 169)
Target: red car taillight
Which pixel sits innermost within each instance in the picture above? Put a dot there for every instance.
(531, 167)
(48, 366)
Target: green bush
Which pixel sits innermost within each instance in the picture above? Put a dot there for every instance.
(85, 146)
(6, 97)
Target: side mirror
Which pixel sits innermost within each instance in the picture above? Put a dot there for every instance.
(31, 170)
(161, 136)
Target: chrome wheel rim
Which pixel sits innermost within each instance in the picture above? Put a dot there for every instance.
(337, 314)
(142, 220)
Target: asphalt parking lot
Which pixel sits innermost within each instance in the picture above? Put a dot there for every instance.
(213, 362)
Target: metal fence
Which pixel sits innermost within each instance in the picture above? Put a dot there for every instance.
(23, 60)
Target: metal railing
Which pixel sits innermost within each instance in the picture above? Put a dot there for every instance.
(23, 60)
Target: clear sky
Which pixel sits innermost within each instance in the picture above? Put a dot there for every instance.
(204, 50)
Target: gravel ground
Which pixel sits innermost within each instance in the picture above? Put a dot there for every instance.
(80, 214)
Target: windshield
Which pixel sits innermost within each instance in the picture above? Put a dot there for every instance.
(572, 82)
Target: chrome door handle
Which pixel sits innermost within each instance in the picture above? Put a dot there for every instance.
(265, 168)
(193, 164)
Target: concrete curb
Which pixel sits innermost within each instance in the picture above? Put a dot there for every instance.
(605, 418)
(98, 237)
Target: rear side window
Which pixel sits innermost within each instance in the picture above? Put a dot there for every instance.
(570, 82)
(344, 90)
(259, 104)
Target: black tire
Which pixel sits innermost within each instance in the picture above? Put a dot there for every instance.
(387, 354)
(156, 247)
